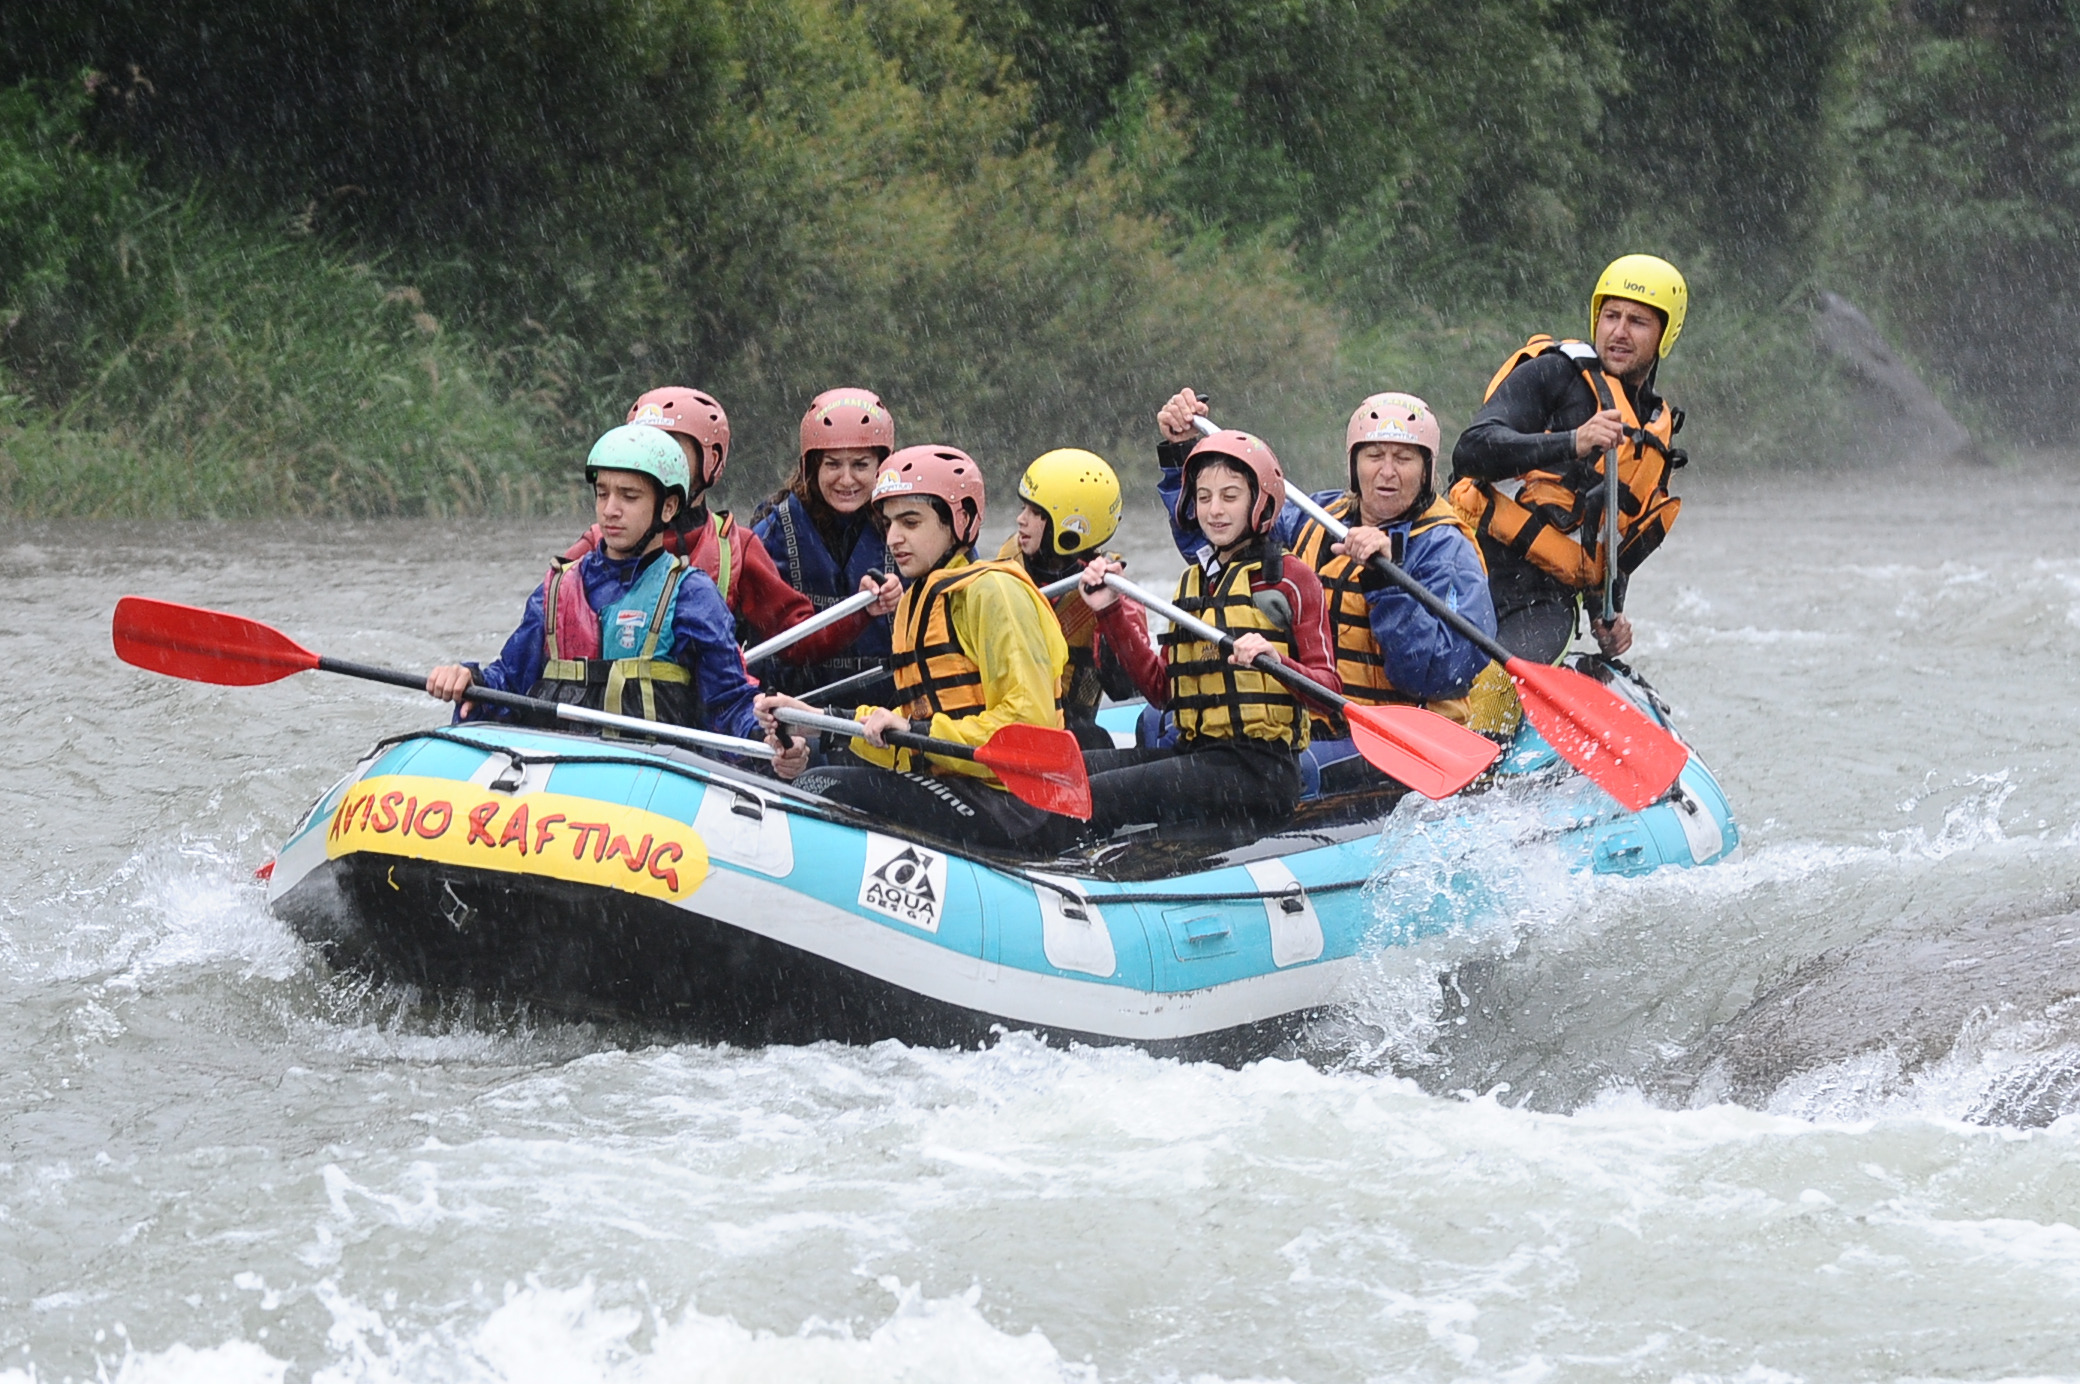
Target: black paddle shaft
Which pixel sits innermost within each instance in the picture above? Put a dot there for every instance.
(931, 744)
(1432, 602)
(477, 692)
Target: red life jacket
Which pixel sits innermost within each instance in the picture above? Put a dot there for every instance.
(570, 626)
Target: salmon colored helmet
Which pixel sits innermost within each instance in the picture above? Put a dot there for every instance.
(1392, 418)
(945, 473)
(840, 418)
(1254, 455)
(690, 414)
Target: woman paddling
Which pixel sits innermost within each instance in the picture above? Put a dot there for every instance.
(976, 648)
(1070, 508)
(819, 532)
(1240, 730)
(762, 601)
(1389, 649)
(628, 627)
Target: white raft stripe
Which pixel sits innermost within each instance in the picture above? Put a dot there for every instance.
(917, 964)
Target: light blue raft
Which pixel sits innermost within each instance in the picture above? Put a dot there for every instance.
(809, 921)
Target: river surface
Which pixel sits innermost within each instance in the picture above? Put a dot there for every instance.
(223, 1162)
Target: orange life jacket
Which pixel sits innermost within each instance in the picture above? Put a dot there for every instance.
(934, 675)
(1358, 658)
(1543, 522)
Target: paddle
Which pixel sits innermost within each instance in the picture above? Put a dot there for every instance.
(854, 683)
(795, 634)
(1434, 756)
(1590, 726)
(212, 646)
(1040, 765)
(1610, 535)
(1062, 587)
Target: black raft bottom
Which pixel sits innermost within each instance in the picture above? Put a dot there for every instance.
(587, 953)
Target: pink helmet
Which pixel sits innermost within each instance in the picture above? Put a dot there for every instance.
(692, 414)
(1254, 454)
(847, 418)
(1393, 418)
(946, 473)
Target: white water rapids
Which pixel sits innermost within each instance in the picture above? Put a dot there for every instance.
(221, 1162)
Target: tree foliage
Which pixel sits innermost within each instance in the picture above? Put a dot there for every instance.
(1022, 220)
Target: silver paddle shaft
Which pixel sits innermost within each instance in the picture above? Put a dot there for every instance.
(788, 638)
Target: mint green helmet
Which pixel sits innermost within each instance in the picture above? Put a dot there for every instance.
(636, 447)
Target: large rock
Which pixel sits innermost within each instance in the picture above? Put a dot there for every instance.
(1910, 995)
(1903, 420)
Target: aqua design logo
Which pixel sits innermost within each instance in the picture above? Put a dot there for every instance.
(903, 881)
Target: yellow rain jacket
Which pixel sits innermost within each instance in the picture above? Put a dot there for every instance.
(1001, 624)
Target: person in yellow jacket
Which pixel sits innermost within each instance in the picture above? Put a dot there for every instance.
(1070, 506)
(977, 648)
(1528, 472)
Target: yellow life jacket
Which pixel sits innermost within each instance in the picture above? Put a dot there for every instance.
(1358, 658)
(1543, 522)
(934, 675)
(1082, 691)
(1213, 698)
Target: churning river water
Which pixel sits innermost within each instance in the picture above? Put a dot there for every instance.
(220, 1161)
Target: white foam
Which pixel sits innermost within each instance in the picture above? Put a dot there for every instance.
(547, 1335)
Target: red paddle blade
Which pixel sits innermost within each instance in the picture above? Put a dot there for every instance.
(204, 645)
(1040, 766)
(1422, 749)
(1599, 732)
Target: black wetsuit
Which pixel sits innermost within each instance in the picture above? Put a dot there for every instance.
(953, 807)
(1529, 426)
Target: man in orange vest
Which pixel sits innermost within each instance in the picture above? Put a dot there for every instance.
(1529, 471)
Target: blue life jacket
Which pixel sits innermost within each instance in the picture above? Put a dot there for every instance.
(798, 550)
(633, 674)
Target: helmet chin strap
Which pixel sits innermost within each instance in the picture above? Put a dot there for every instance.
(658, 523)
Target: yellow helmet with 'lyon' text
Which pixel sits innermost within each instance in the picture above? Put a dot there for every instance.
(1644, 279)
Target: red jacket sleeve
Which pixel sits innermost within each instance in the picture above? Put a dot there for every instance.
(1125, 631)
(1314, 649)
(758, 594)
(763, 600)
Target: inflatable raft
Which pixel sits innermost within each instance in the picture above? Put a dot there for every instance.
(631, 881)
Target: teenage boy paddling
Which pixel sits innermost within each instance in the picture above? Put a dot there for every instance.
(628, 628)
(1240, 729)
(977, 648)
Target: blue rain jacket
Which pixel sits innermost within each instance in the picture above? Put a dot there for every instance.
(704, 642)
(1422, 656)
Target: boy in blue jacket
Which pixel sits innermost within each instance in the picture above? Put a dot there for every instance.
(628, 628)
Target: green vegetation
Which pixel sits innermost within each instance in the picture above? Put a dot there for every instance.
(352, 258)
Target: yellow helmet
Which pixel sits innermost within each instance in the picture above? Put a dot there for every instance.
(1078, 493)
(1644, 279)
